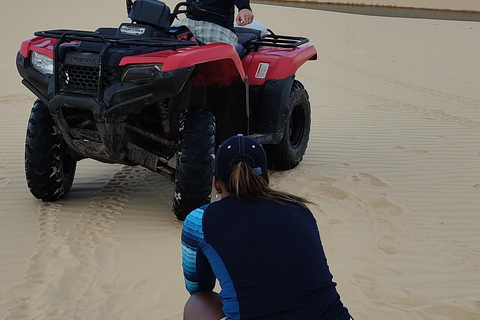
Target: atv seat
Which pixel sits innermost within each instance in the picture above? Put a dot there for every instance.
(245, 38)
(244, 43)
(246, 35)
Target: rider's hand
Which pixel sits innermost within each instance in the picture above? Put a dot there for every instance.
(244, 17)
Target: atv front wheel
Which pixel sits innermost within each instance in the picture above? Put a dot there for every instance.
(195, 158)
(289, 152)
(49, 168)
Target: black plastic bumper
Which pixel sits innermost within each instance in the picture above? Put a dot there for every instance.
(119, 99)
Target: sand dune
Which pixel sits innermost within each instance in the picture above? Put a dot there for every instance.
(392, 167)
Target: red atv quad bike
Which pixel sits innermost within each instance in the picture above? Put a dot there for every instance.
(146, 93)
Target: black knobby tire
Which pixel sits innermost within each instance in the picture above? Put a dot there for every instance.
(289, 152)
(49, 168)
(195, 158)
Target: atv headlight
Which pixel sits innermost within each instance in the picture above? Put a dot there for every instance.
(42, 63)
(141, 73)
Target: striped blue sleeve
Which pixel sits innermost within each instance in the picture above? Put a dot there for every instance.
(192, 235)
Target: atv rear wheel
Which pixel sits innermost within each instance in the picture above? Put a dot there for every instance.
(49, 168)
(289, 152)
(195, 158)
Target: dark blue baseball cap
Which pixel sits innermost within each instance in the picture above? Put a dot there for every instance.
(239, 149)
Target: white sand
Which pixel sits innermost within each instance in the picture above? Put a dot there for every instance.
(392, 165)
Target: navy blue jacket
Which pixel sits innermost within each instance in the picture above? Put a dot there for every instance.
(267, 257)
(225, 10)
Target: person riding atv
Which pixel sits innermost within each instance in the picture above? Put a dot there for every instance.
(213, 20)
(147, 93)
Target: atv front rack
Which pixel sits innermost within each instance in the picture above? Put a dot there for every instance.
(78, 35)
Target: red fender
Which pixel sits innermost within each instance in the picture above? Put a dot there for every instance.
(217, 63)
(38, 44)
(276, 63)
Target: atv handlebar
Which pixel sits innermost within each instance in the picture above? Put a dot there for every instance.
(177, 10)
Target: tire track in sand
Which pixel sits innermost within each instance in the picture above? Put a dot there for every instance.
(62, 280)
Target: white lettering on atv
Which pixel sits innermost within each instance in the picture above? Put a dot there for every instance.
(133, 31)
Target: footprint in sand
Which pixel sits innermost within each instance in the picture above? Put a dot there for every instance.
(398, 294)
(372, 180)
(385, 206)
(385, 246)
(388, 248)
(367, 179)
(334, 221)
(326, 191)
(371, 286)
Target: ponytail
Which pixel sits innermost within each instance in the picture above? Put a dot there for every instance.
(246, 183)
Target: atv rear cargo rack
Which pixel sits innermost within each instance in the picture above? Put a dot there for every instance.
(273, 40)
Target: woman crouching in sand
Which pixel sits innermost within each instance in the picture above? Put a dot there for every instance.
(262, 245)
